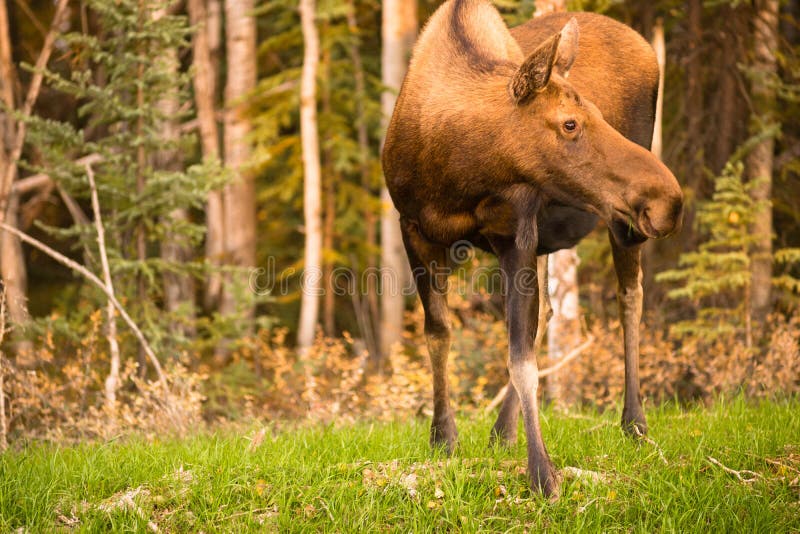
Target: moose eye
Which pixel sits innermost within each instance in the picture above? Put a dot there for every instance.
(570, 125)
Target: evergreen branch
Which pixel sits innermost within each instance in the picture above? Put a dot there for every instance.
(80, 269)
(36, 181)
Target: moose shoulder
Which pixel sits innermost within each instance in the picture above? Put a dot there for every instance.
(519, 141)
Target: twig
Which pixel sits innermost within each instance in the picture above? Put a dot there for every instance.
(112, 381)
(745, 475)
(571, 355)
(651, 442)
(583, 508)
(80, 269)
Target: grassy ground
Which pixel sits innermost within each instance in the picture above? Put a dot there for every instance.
(383, 477)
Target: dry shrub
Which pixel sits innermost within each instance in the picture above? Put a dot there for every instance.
(689, 370)
(61, 397)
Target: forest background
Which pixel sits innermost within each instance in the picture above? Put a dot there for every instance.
(197, 157)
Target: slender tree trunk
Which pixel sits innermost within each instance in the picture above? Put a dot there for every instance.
(728, 112)
(399, 30)
(329, 221)
(205, 48)
(661, 56)
(759, 161)
(141, 165)
(312, 189)
(239, 208)
(12, 262)
(371, 316)
(694, 98)
(178, 288)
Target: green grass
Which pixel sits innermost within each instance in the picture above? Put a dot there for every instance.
(359, 479)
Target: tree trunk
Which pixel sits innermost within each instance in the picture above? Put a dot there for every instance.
(661, 56)
(239, 207)
(399, 30)
(694, 100)
(176, 249)
(312, 190)
(329, 221)
(12, 261)
(371, 318)
(759, 161)
(205, 47)
(728, 111)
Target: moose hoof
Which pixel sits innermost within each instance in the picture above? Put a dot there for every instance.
(444, 434)
(502, 437)
(634, 425)
(545, 479)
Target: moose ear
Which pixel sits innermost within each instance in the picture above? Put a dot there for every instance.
(558, 51)
(534, 73)
(567, 47)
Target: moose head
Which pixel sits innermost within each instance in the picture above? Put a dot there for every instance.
(575, 156)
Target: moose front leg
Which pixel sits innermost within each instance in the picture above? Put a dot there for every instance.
(428, 265)
(522, 304)
(627, 262)
(504, 430)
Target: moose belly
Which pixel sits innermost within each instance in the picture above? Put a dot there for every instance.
(559, 226)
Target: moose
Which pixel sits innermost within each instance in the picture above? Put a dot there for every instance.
(520, 141)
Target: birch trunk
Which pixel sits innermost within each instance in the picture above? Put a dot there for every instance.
(312, 189)
(759, 161)
(239, 208)
(399, 30)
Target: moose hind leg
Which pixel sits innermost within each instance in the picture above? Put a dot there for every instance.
(428, 265)
(629, 295)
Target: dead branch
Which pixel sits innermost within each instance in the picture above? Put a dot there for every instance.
(745, 475)
(112, 381)
(652, 442)
(571, 355)
(80, 269)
